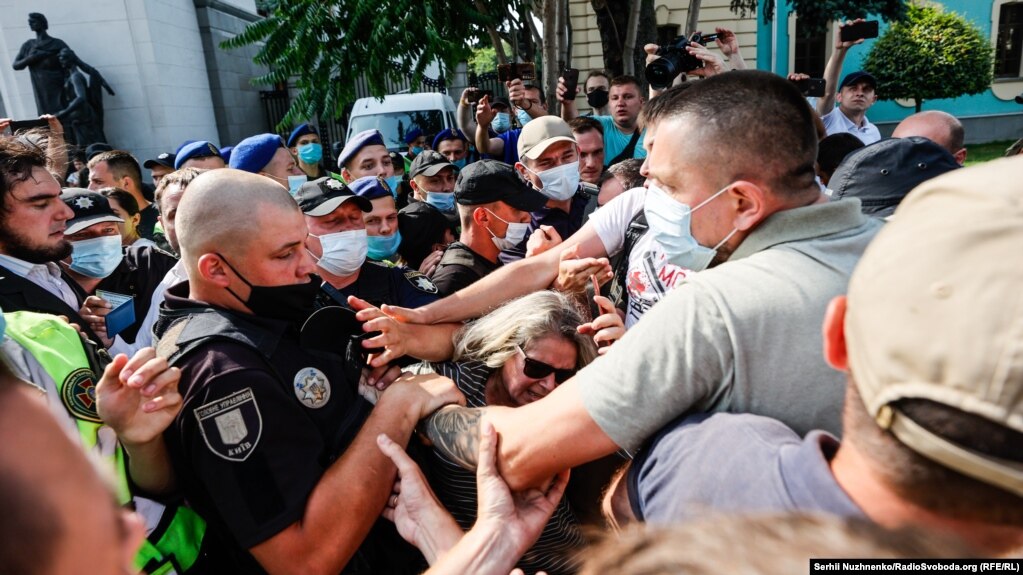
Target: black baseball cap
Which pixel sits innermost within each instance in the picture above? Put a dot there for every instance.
(90, 208)
(323, 195)
(858, 76)
(429, 163)
(489, 181)
(165, 159)
(881, 174)
(93, 150)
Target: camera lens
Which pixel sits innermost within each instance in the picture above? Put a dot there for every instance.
(661, 72)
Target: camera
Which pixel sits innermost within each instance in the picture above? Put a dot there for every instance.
(675, 60)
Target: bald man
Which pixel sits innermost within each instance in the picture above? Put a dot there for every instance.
(58, 515)
(939, 127)
(273, 446)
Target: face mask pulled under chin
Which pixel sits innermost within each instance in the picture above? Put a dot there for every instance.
(292, 303)
(671, 225)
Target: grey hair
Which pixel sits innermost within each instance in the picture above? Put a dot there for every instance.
(520, 322)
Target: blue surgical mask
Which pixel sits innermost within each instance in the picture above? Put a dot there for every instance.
(671, 223)
(416, 150)
(560, 182)
(3, 325)
(295, 182)
(523, 117)
(441, 201)
(96, 257)
(501, 123)
(460, 163)
(393, 182)
(310, 153)
(383, 247)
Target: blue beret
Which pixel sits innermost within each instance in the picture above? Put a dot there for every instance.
(225, 152)
(358, 142)
(300, 131)
(253, 153)
(371, 188)
(412, 134)
(183, 144)
(448, 134)
(195, 149)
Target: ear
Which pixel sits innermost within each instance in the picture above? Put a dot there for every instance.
(346, 175)
(835, 352)
(960, 156)
(521, 169)
(213, 270)
(751, 204)
(412, 183)
(480, 217)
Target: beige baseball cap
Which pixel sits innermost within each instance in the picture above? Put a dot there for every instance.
(935, 312)
(540, 133)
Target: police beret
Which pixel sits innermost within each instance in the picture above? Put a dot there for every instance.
(253, 153)
(358, 142)
(371, 188)
(300, 131)
(412, 135)
(196, 149)
(448, 134)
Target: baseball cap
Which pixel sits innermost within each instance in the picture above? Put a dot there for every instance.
(857, 76)
(540, 133)
(165, 159)
(935, 312)
(93, 150)
(323, 195)
(196, 149)
(500, 101)
(881, 174)
(299, 131)
(358, 142)
(489, 181)
(253, 153)
(429, 163)
(371, 188)
(89, 207)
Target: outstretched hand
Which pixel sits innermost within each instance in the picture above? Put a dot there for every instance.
(138, 398)
(606, 328)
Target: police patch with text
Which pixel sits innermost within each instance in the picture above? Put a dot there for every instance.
(231, 426)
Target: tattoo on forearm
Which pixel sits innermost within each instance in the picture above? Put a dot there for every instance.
(455, 432)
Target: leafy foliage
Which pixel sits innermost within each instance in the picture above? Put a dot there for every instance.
(483, 60)
(815, 14)
(933, 54)
(326, 45)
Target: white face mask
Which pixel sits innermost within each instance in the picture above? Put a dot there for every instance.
(560, 182)
(513, 237)
(343, 252)
(671, 222)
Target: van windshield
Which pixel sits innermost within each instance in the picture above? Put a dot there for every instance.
(394, 125)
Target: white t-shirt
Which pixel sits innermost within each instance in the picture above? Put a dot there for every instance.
(650, 275)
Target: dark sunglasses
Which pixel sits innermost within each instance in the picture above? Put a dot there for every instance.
(536, 369)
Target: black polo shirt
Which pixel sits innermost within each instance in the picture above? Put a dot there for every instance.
(460, 267)
(382, 284)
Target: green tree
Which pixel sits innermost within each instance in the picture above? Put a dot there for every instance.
(931, 55)
(816, 14)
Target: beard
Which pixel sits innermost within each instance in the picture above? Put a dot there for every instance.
(17, 246)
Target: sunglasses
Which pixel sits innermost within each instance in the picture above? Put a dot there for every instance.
(536, 369)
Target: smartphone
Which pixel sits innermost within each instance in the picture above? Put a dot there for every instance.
(519, 71)
(477, 95)
(812, 87)
(507, 72)
(571, 76)
(859, 30)
(20, 125)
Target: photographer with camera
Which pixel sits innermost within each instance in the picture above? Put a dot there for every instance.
(855, 95)
(622, 137)
(691, 56)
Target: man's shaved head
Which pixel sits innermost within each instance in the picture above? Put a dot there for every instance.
(220, 211)
(939, 127)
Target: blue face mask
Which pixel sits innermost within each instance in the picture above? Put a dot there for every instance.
(3, 325)
(523, 117)
(416, 150)
(310, 153)
(461, 163)
(96, 257)
(383, 247)
(443, 202)
(502, 123)
(393, 182)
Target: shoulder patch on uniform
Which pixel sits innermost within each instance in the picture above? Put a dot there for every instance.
(312, 387)
(420, 282)
(78, 392)
(231, 426)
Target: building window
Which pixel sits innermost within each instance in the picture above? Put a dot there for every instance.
(667, 33)
(810, 52)
(1009, 46)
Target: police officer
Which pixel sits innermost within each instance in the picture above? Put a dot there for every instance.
(433, 182)
(339, 244)
(274, 446)
(304, 143)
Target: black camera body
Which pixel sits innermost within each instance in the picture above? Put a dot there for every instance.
(675, 60)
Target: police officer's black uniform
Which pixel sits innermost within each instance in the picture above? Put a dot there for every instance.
(460, 267)
(379, 284)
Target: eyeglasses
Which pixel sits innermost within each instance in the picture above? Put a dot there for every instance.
(536, 369)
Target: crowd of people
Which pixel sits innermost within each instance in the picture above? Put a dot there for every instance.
(531, 343)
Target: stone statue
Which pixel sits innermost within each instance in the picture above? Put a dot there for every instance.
(82, 100)
(40, 57)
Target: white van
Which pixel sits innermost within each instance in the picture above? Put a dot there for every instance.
(399, 114)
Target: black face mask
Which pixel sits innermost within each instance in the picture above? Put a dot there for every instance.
(292, 303)
(597, 98)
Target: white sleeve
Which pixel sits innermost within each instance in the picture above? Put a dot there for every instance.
(612, 220)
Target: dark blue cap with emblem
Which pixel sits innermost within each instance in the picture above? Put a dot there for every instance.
(323, 195)
(90, 208)
(858, 76)
(358, 142)
(253, 153)
(448, 134)
(197, 149)
(300, 131)
(371, 188)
